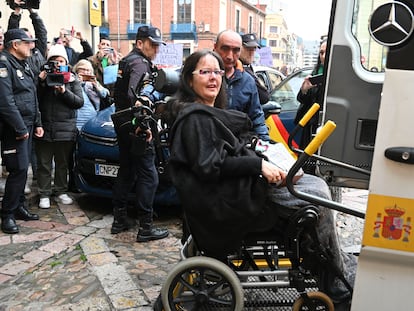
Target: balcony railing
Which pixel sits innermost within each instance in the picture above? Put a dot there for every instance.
(183, 31)
(104, 31)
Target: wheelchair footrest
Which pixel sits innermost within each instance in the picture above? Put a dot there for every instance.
(255, 298)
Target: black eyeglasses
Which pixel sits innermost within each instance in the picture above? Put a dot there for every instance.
(208, 72)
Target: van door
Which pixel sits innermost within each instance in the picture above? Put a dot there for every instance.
(385, 270)
(354, 76)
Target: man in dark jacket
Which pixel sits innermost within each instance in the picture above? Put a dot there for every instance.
(36, 60)
(246, 57)
(19, 113)
(242, 92)
(135, 68)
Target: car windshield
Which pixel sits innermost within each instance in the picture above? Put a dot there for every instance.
(286, 92)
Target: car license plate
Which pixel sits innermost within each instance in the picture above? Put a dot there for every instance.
(106, 170)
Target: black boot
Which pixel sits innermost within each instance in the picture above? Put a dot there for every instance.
(147, 232)
(121, 221)
(8, 225)
(122, 225)
(23, 214)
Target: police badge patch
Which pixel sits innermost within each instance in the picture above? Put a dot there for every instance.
(3, 73)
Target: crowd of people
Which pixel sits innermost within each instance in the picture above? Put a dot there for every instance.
(48, 91)
(218, 96)
(226, 185)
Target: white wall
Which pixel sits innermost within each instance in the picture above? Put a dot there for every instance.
(57, 14)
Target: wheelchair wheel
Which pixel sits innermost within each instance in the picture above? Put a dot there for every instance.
(319, 301)
(202, 283)
(158, 304)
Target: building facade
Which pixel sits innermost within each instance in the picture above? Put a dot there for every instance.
(193, 23)
(279, 40)
(73, 14)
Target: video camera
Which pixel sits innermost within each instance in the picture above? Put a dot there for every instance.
(50, 66)
(165, 81)
(27, 4)
(56, 75)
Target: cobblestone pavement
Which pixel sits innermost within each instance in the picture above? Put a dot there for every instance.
(68, 260)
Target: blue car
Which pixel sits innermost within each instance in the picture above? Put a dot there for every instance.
(96, 155)
(97, 164)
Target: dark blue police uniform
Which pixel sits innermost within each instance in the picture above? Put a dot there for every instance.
(19, 114)
(139, 169)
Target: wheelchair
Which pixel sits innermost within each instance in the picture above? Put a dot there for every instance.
(271, 270)
(268, 271)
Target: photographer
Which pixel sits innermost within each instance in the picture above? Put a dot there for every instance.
(133, 71)
(66, 37)
(60, 95)
(106, 56)
(92, 92)
(308, 95)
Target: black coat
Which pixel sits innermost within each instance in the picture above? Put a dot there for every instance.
(18, 101)
(74, 56)
(217, 176)
(133, 70)
(264, 93)
(59, 110)
(314, 95)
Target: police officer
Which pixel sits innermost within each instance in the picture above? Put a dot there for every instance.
(248, 50)
(20, 117)
(135, 68)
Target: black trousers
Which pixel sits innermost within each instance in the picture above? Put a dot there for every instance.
(16, 157)
(139, 170)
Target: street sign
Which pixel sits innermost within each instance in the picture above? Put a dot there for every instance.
(95, 13)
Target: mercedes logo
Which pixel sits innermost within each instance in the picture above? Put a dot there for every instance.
(391, 23)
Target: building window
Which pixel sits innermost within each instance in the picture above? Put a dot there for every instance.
(273, 43)
(140, 11)
(373, 55)
(184, 11)
(273, 29)
(103, 11)
(250, 24)
(237, 20)
(276, 56)
(260, 29)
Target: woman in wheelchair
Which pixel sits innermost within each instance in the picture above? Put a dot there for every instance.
(227, 190)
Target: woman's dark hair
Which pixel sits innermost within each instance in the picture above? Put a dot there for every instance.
(185, 94)
(319, 63)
